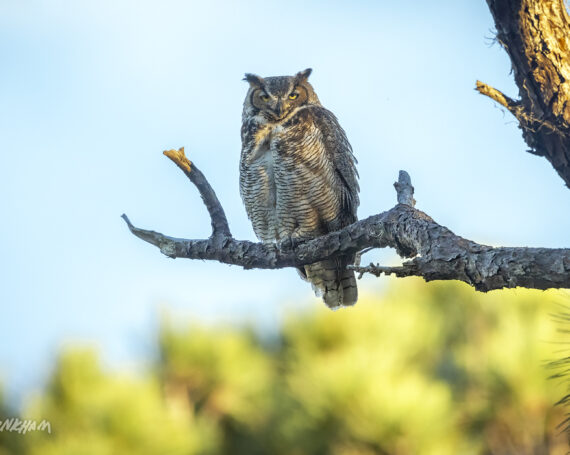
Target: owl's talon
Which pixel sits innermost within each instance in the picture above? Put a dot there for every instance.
(288, 243)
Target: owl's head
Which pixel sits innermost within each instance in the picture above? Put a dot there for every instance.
(276, 97)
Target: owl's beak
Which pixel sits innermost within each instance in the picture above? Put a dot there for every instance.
(279, 109)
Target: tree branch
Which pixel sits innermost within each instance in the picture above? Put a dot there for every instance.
(220, 227)
(498, 96)
(436, 252)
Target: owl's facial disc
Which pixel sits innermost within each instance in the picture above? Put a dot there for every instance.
(277, 97)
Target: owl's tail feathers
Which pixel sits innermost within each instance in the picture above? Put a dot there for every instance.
(331, 280)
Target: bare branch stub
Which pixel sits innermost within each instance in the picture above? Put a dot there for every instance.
(514, 107)
(436, 253)
(220, 227)
(526, 120)
(404, 189)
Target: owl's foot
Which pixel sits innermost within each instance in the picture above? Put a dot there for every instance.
(289, 243)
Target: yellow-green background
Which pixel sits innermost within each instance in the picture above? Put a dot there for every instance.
(420, 369)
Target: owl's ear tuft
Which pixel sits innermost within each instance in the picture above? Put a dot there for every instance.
(254, 80)
(302, 76)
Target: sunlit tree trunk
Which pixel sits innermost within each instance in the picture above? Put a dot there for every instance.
(536, 36)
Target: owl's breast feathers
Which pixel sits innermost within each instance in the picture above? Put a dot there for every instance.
(318, 144)
(298, 177)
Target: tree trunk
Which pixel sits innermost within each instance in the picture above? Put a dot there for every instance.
(536, 36)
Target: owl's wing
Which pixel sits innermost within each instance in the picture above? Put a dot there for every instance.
(339, 152)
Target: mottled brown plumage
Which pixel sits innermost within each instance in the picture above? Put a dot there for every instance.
(298, 178)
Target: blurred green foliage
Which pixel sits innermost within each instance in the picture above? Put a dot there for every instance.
(423, 369)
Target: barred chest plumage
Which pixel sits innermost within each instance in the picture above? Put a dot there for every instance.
(259, 185)
(287, 185)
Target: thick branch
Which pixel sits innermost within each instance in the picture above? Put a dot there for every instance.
(536, 35)
(438, 254)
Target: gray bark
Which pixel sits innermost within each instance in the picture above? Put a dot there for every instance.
(436, 253)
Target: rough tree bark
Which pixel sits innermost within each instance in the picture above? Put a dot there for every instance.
(438, 254)
(536, 35)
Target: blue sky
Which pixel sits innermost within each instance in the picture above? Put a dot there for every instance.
(91, 92)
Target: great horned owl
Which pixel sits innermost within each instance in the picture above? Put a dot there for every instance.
(298, 177)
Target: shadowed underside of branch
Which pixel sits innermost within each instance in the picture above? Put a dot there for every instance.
(434, 252)
(536, 36)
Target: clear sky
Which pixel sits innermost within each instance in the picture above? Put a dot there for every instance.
(91, 93)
